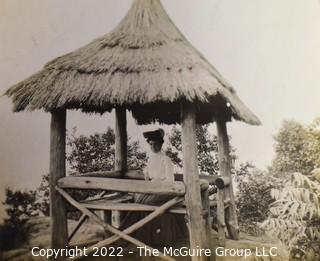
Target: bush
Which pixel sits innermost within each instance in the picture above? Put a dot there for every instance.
(20, 206)
(295, 216)
(297, 147)
(253, 198)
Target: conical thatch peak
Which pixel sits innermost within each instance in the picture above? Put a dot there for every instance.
(146, 25)
(144, 64)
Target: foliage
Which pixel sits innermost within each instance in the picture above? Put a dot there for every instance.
(20, 206)
(295, 216)
(295, 213)
(207, 149)
(43, 196)
(253, 197)
(96, 152)
(314, 144)
(297, 147)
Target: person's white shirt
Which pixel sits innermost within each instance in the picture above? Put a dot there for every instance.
(159, 168)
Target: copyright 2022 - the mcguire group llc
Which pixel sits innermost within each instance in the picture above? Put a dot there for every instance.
(144, 251)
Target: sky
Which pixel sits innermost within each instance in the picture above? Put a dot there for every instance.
(269, 50)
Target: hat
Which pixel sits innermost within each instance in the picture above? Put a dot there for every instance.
(156, 135)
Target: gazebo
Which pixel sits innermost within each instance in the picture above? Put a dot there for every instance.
(146, 66)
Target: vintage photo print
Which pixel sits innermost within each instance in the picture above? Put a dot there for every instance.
(159, 129)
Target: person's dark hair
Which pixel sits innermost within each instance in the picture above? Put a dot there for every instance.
(160, 141)
(156, 135)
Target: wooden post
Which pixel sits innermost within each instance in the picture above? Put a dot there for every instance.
(121, 152)
(207, 222)
(225, 171)
(121, 140)
(59, 232)
(191, 179)
(221, 218)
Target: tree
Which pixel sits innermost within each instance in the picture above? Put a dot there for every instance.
(294, 213)
(314, 144)
(297, 147)
(96, 152)
(207, 149)
(253, 197)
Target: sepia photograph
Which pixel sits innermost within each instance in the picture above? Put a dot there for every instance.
(160, 130)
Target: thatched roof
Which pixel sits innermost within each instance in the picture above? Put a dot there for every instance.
(144, 64)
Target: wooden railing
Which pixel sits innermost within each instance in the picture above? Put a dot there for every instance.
(133, 182)
(176, 188)
(220, 181)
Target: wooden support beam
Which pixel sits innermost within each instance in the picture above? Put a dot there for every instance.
(123, 185)
(120, 206)
(138, 174)
(121, 154)
(120, 234)
(114, 197)
(191, 178)
(130, 174)
(225, 171)
(134, 241)
(222, 182)
(116, 218)
(160, 210)
(59, 233)
(211, 179)
(121, 141)
(130, 207)
(207, 218)
(82, 219)
(221, 218)
(111, 198)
